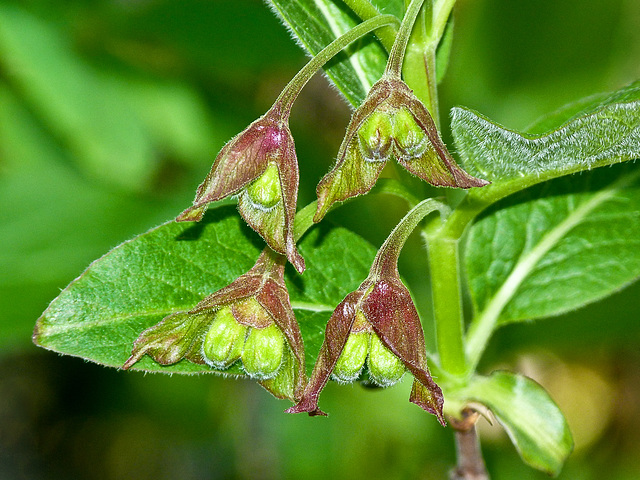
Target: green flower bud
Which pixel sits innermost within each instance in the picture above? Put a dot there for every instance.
(263, 352)
(410, 138)
(224, 340)
(265, 191)
(374, 136)
(352, 358)
(385, 369)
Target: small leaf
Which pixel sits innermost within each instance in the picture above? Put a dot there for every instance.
(604, 134)
(316, 23)
(557, 246)
(533, 421)
(172, 267)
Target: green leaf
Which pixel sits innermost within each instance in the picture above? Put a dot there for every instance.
(315, 23)
(559, 246)
(83, 110)
(603, 134)
(172, 267)
(532, 420)
(556, 247)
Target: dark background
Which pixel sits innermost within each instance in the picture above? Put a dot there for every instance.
(168, 82)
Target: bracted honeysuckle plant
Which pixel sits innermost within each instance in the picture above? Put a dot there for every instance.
(204, 298)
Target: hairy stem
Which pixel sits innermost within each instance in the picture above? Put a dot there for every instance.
(419, 69)
(387, 257)
(447, 304)
(396, 56)
(293, 88)
(365, 10)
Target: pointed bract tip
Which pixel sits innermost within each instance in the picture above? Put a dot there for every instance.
(296, 259)
(301, 407)
(192, 214)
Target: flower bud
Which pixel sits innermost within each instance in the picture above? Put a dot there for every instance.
(263, 352)
(224, 340)
(391, 121)
(259, 165)
(385, 369)
(409, 137)
(375, 135)
(351, 362)
(265, 192)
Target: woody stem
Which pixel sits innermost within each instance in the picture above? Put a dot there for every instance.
(293, 88)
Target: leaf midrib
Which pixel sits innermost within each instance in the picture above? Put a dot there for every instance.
(485, 322)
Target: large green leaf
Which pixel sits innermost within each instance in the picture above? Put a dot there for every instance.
(533, 421)
(316, 23)
(172, 267)
(605, 132)
(556, 247)
(561, 245)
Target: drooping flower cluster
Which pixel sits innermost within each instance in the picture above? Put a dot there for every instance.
(391, 122)
(377, 324)
(249, 321)
(260, 166)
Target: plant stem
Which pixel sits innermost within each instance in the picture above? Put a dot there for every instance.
(396, 56)
(386, 260)
(419, 69)
(388, 186)
(447, 304)
(365, 10)
(293, 88)
(470, 463)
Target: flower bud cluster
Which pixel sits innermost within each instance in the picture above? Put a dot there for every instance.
(250, 321)
(391, 122)
(364, 347)
(374, 329)
(261, 349)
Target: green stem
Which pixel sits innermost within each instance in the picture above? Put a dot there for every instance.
(386, 186)
(444, 268)
(293, 88)
(386, 261)
(419, 69)
(396, 56)
(365, 10)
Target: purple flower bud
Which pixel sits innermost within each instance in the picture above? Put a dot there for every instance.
(226, 326)
(260, 166)
(390, 122)
(384, 304)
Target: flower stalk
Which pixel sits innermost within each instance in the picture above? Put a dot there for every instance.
(260, 166)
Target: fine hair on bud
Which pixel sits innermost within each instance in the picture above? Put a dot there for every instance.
(264, 352)
(352, 359)
(224, 341)
(385, 368)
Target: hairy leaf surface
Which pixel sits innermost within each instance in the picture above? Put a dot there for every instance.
(172, 267)
(603, 133)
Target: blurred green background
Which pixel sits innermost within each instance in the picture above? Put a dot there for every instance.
(110, 115)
